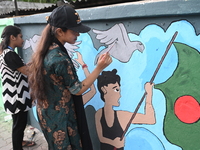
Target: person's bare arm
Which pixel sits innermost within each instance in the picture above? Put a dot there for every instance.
(89, 94)
(24, 70)
(103, 62)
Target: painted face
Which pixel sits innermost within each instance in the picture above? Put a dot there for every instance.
(70, 36)
(112, 94)
(18, 42)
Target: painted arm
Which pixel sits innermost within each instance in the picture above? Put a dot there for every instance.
(149, 114)
(89, 94)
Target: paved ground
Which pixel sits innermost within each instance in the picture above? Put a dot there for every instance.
(5, 134)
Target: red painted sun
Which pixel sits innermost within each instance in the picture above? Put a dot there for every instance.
(187, 109)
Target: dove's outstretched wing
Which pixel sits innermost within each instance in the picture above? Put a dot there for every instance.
(32, 42)
(26, 44)
(109, 36)
(71, 50)
(72, 47)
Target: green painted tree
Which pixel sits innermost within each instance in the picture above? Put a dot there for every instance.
(182, 93)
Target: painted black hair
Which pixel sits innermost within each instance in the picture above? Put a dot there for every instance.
(107, 77)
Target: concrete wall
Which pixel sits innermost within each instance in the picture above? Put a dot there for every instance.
(138, 34)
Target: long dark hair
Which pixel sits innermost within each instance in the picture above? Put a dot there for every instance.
(36, 77)
(7, 32)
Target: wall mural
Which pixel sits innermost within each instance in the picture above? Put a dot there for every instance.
(148, 98)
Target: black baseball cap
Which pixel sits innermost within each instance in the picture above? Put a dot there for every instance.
(66, 17)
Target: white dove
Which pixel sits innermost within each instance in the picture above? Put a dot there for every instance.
(32, 42)
(118, 43)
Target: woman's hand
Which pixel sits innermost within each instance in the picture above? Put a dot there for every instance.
(104, 60)
(79, 59)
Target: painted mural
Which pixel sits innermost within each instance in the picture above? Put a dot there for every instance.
(148, 98)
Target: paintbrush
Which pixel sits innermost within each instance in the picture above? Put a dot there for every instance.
(111, 47)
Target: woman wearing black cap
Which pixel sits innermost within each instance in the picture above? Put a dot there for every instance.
(55, 84)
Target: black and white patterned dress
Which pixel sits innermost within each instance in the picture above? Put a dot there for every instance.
(15, 90)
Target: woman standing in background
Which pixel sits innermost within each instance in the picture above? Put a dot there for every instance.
(16, 96)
